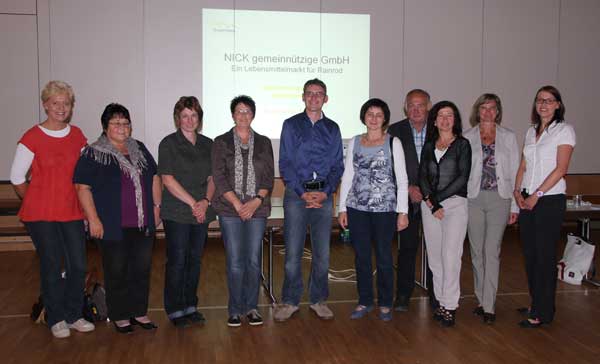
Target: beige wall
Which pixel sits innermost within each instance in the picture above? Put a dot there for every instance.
(146, 53)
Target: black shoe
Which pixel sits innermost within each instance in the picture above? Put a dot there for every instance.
(144, 325)
(523, 310)
(438, 314)
(254, 318)
(180, 322)
(401, 303)
(527, 324)
(123, 329)
(448, 318)
(234, 321)
(489, 318)
(196, 318)
(478, 311)
(433, 303)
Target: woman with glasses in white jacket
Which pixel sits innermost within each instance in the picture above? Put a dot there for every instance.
(494, 164)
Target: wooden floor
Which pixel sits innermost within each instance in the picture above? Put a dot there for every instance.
(411, 337)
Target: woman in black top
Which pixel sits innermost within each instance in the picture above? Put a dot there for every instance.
(184, 164)
(443, 176)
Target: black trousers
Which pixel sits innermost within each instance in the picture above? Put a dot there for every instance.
(127, 265)
(540, 231)
(407, 255)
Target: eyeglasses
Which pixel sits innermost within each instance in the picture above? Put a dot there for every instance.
(318, 94)
(120, 125)
(545, 101)
(243, 112)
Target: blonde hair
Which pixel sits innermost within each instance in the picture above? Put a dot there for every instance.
(53, 88)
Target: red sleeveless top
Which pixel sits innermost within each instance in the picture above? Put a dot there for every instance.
(51, 193)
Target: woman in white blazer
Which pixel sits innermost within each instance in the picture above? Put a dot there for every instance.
(495, 160)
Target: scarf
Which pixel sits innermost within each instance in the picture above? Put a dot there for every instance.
(105, 153)
(239, 166)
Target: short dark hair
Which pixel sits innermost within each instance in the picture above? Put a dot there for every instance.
(243, 99)
(559, 114)
(485, 98)
(111, 111)
(187, 102)
(432, 130)
(315, 81)
(376, 103)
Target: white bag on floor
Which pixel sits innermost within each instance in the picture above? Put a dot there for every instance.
(576, 260)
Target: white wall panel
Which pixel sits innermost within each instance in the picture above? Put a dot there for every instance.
(98, 47)
(19, 86)
(579, 78)
(520, 54)
(442, 52)
(386, 48)
(18, 7)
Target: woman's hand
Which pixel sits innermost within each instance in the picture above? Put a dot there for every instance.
(530, 202)
(343, 220)
(199, 210)
(439, 214)
(519, 199)
(96, 228)
(429, 204)
(247, 209)
(157, 220)
(513, 218)
(401, 222)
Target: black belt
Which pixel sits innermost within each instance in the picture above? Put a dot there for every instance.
(312, 186)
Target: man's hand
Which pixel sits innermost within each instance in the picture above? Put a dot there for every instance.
(414, 193)
(314, 199)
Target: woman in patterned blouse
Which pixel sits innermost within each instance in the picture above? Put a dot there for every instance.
(374, 204)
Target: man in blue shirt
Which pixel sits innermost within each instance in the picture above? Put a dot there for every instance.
(310, 163)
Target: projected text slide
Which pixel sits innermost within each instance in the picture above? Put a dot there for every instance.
(269, 55)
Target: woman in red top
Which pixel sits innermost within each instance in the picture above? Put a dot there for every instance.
(50, 208)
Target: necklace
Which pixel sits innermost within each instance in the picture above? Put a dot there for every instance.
(442, 144)
(372, 142)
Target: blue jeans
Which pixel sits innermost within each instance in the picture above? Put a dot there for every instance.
(367, 228)
(297, 219)
(185, 244)
(243, 248)
(55, 241)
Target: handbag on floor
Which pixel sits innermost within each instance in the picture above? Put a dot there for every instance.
(576, 260)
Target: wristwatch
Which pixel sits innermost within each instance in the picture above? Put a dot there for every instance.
(539, 193)
(262, 199)
(207, 200)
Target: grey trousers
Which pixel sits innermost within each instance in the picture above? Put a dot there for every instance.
(444, 240)
(488, 216)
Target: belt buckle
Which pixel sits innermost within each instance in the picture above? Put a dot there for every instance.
(312, 186)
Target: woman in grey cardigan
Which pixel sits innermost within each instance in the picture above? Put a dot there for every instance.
(242, 162)
(494, 164)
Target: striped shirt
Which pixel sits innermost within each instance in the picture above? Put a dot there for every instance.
(419, 138)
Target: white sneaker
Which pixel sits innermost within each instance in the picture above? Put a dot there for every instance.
(82, 325)
(60, 330)
(284, 312)
(321, 309)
